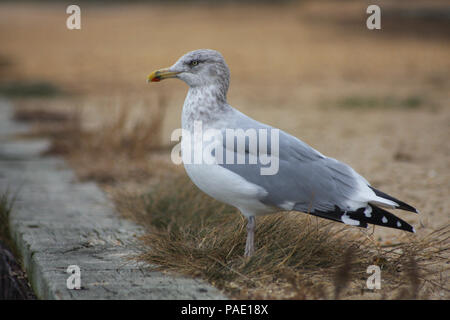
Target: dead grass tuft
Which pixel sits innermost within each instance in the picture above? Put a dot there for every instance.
(119, 137)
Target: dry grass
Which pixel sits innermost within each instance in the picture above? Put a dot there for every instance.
(120, 132)
(122, 135)
(6, 203)
(14, 283)
(298, 256)
(291, 66)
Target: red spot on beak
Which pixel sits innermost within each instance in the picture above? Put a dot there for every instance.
(156, 79)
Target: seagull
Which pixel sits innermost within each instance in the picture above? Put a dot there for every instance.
(304, 180)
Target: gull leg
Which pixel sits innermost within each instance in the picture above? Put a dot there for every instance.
(249, 245)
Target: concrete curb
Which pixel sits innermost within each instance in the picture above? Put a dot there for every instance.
(57, 222)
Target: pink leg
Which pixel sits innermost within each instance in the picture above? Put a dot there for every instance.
(249, 245)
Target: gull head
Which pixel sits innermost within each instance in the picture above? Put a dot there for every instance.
(204, 67)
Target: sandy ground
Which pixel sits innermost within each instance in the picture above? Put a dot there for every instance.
(297, 67)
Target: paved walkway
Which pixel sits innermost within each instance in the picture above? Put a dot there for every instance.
(57, 222)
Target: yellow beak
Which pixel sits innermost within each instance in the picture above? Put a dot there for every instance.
(161, 74)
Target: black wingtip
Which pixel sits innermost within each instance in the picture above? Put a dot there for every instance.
(401, 205)
(381, 217)
(364, 216)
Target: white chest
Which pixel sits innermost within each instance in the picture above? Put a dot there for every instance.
(223, 184)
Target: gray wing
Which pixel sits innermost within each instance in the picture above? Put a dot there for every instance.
(306, 180)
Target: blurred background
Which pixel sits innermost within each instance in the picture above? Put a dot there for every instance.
(376, 99)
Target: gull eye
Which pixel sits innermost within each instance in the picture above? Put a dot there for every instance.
(193, 63)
